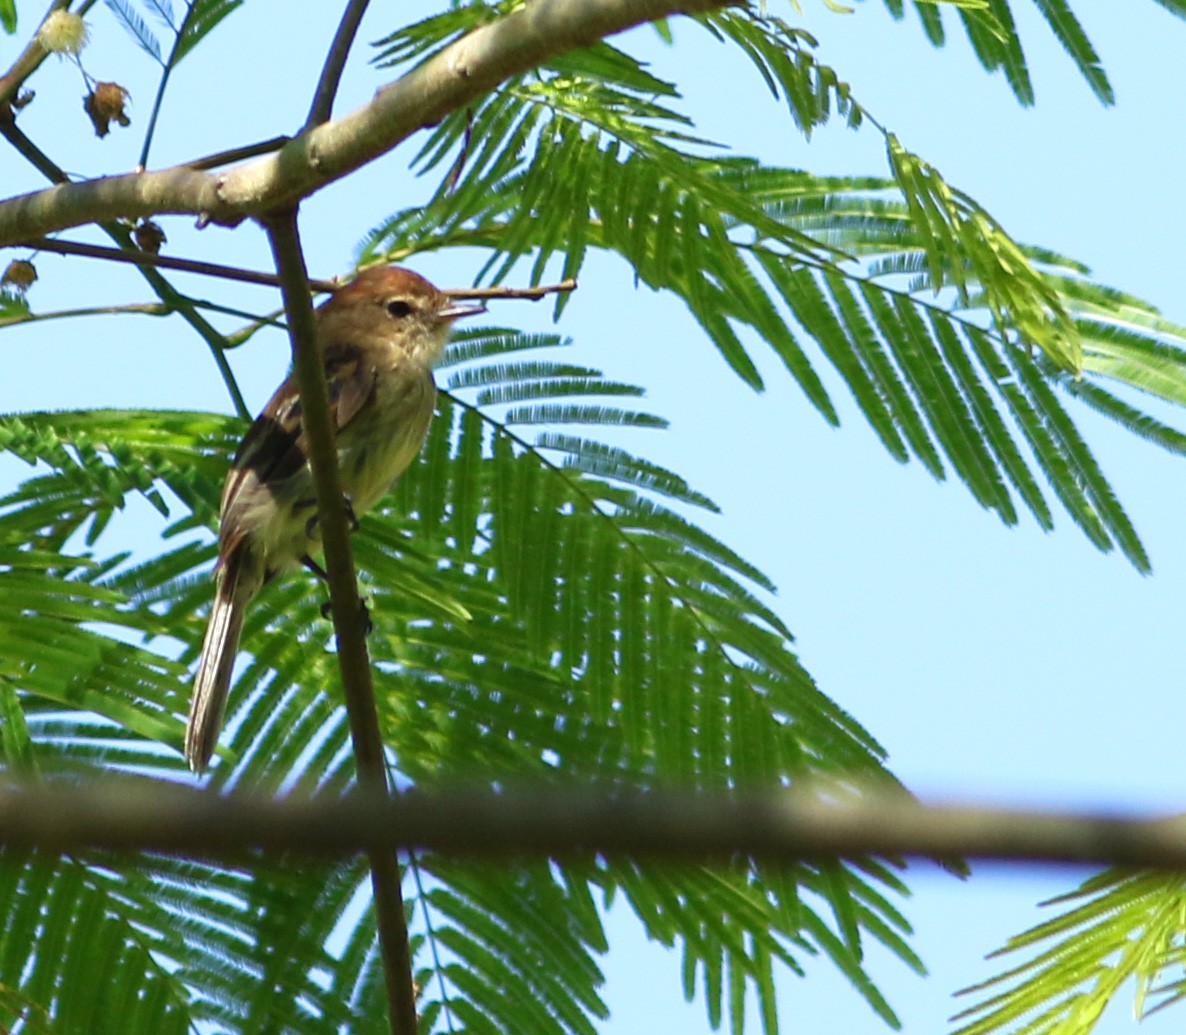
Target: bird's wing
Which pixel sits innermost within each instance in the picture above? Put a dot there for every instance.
(276, 447)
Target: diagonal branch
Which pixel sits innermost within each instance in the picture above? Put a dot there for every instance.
(335, 63)
(353, 660)
(122, 236)
(27, 62)
(455, 76)
(30, 59)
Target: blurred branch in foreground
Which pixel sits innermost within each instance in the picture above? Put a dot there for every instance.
(133, 816)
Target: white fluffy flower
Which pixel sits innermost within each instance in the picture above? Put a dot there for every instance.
(63, 33)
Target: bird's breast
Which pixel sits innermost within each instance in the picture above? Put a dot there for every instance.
(385, 436)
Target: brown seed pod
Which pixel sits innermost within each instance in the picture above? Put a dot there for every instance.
(149, 236)
(104, 104)
(19, 275)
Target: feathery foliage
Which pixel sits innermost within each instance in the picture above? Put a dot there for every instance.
(946, 332)
(1117, 927)
(540, 613)
(188, 27)
(991, 30)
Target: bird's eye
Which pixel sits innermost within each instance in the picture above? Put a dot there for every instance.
(399, 308)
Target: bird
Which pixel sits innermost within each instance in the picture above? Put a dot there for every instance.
(379, 337)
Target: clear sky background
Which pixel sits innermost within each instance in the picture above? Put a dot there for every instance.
(1000, 665)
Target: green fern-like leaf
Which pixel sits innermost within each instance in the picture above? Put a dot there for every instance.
(202, 18)
(539, 613)
(136, 27)
(992, 31)
(61, 925)
(902, 322)
(1117, 927)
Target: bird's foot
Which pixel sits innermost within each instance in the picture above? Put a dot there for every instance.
(311, 531)
(368, 626)
(315, 568)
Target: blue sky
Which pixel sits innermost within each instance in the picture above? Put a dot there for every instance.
(996, 664)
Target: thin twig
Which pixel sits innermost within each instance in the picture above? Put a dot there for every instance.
(120, 234)
(454, 175)
(30, 151)
(335, 63)
(166, 73)
(30, 59)
(186, 309)
(531, 293)
(433, 942)
(214, 269)
(27, 61)
(353, 660)
(237, 154)
(167, 67)
(456, 75)
(145, 308)
(233, 340)
(777, 826)
(139, 258)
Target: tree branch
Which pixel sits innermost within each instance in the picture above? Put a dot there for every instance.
(122, 236)
(144, 308)
(458, 74)
(169, 262)
(335, 63)
(30, 151)
(214, 269)
(27, 62)
(187, 310)
(353, 660)
(532, 294)
(141, 815)
(238, 154)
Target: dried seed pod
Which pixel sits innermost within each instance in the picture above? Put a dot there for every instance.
(104, 104)
(19, 275)
(149, 236)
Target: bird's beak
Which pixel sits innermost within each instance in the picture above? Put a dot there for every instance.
(455, 310)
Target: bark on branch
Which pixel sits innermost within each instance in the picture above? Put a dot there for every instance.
(350, 634)
(457, 75)
(783, 825)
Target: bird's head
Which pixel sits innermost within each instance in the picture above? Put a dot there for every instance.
(392, 306)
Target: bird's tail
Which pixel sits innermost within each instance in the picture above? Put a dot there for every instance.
(233, 593)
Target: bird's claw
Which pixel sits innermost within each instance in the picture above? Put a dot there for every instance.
(368, 626)
(351, 519)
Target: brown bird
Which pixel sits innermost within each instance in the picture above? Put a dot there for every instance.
(379, 337)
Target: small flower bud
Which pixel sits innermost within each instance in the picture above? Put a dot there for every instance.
(104, 104)
(149, 236)
(63, 33)
(19, 275)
